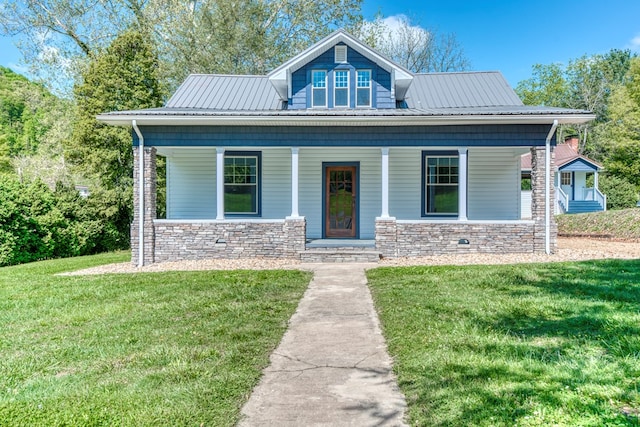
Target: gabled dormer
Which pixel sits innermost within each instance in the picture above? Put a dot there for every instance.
(340, 72)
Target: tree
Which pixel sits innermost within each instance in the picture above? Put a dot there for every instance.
(124, 77)
(621, 134)
(194, 36)
(417, 49)
(585, 83)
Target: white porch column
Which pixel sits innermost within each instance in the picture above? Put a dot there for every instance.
(462, 183)
(385, 183)
(595, 180)
(219, 183)
(295, 178)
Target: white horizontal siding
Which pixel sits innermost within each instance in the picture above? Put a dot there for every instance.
(191, 184)
(276, 183)
(494, 184)
(311, 160)
(405, 182)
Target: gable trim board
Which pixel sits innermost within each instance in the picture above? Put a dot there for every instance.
(409, 114)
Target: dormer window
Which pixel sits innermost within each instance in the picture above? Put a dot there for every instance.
(319, 88)
(341, 54)
(341, 88)
(363, 88)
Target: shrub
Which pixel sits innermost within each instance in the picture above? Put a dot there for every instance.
(621, 194)
(37, 223)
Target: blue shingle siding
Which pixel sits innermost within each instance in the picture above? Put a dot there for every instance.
(301, 80)
(345, 136)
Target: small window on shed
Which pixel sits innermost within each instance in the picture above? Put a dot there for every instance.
(341, 54)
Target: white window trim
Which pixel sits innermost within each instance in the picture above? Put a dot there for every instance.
(335, 88)
(364, 87)
(325, 88)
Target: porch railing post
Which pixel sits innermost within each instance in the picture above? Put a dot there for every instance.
(220, 183)
(462, 184)
(294, 182)
(385, 183)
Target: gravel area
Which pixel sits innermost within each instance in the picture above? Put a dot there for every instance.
(569, 249)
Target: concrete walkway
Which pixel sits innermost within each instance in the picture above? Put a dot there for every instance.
(332, 367)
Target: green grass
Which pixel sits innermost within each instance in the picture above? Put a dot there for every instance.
(173, 348)
(620, 224)
(526, 345)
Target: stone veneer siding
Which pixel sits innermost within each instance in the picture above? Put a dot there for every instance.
(436, 238)
(192, 240)
(422, 238)
(150, 178)
(537, 200)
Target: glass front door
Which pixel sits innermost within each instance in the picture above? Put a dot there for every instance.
(340, 201)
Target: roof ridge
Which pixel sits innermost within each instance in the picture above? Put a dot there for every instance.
(459, 72)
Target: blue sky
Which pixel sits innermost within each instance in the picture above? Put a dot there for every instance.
(509, 36)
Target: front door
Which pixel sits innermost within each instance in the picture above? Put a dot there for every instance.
(340, 210)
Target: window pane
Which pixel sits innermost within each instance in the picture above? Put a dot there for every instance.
(319, 97)
(364, 78)
(442, 199)
(342, 98)
(342, 78)
(240, 199)
(319, 79)
(363, 97)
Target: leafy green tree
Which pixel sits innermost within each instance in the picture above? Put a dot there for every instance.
(206, 36)
(31, 119)
(123, 77)
(585, 83)
(621, 134)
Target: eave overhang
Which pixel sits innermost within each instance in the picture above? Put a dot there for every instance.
(299, 120)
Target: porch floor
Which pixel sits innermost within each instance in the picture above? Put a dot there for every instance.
(340, 243)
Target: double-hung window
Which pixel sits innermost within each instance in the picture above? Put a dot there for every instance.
(565, 178)
(341, 88)
(363, 88)
(319, 88)
(440, 183)
(242, 183)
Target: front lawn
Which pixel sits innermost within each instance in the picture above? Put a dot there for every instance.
(173, 348)
(525, 345)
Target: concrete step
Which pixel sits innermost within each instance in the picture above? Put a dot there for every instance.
(340, 254)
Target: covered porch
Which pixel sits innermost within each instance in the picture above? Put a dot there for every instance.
(303, 195)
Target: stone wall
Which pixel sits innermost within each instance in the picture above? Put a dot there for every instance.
(192, 240)
(437, 238)
(150, 179)
(538, 200)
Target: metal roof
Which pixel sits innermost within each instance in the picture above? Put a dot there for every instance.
(564, 154)
(226, 92)
(461, 89)
(467, 97)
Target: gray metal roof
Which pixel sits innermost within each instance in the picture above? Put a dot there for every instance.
(428, 91)
(461, 90)
(225, 92)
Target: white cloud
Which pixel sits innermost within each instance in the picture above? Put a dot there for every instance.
(393, 26)
(634, 43)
